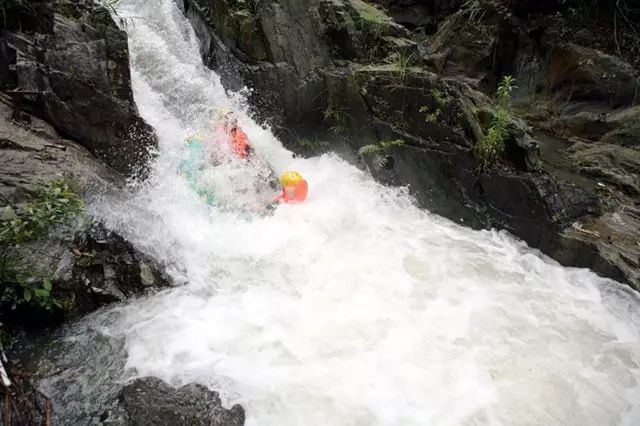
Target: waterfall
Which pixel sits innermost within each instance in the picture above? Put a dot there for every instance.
(354, 308)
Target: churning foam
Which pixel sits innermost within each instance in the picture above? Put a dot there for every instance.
(355, 308)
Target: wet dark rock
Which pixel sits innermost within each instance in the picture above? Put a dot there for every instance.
(283, 51)
(89, 266)
(618, 127)
(608, 244)
(617, 165)
(74, 73)
(465, 50)
(150, 401)
(34, 154)
(583, 73)
(530, 204)
(101, 268)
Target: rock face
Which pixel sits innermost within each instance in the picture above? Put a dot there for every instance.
(150, 401)
(582, 73)
(89, 266)
(287, 51)
(347, 72)
(70, 66)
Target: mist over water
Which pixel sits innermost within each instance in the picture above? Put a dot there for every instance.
(356, 307)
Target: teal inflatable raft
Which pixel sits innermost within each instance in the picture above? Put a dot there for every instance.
(191, 168)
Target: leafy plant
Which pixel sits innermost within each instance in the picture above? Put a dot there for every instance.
(491, 147)
(21, 284)
(441, 101)
(337, 116)
(378, 151)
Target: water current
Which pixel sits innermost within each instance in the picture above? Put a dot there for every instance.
(354, 308)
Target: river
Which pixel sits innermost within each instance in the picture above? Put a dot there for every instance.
(354, 308)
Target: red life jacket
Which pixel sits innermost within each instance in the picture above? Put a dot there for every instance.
(294, 194)
(239, 143)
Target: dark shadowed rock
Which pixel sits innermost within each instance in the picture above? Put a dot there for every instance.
(614, 164)
(598, 123)
(255, 44)
(464, 49)
(150, 401)
(583, 73)
(76, 76)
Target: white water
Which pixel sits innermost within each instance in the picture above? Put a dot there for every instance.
(355, 308)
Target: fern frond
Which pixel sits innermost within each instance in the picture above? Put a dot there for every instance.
(371, 149)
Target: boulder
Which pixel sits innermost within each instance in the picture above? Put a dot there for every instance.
(535, 206)
(150, 401)
(597, 123)
(624, 128)
(583, 73)
(607, 243)
(464, 49)
(76, 76)
(617, 165)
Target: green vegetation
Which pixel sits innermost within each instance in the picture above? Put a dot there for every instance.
(401, 62)
(310, 145)
(21, 283)
(491, 147)
(473, 10)
(378, 151)
(441, 101)
(337, 116)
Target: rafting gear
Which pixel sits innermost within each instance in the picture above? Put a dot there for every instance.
(294, 188)
(191, 167)
(290, 178)
(239, 143)
(227, 123)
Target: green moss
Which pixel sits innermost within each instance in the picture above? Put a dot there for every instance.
(370, 13)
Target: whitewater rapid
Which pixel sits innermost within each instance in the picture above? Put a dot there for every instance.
(355, 308)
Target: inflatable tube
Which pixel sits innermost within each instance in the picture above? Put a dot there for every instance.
(190, 168)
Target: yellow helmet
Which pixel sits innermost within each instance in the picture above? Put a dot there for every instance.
(290, 178)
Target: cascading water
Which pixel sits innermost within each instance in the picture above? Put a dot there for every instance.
(355, 308)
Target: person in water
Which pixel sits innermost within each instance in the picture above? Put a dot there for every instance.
(236, 137)
(294, 188)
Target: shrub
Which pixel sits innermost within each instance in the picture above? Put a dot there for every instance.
(441, 101)
(491, 147)
(21, 283)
